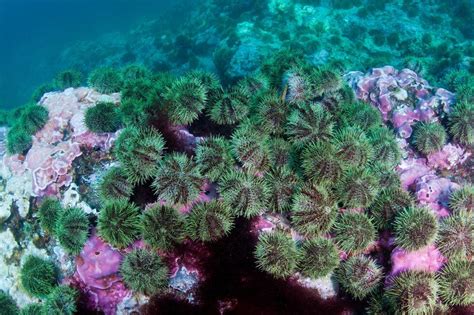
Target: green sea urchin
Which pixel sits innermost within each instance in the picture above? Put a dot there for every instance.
(230, 107)
(313, 211)
(461, 123)
(272, 114)
(61, 301)
(72, 230)
(119, 223)
(7, 304)
(214, 157)
(209, 221)
(413, 292)
(359, 114)
(178, 179)
(456, 283)
(456, 235)
(38, 276)
(48, 214)
(280, 152)
(276, 253)
(282, 183)
(134, 72)
(209, 80)
(359, 276)
(251, 148)
(385, 145)
(415, 228)
(357, 188)
(103, 117)
(309, 122)
(33, 118)
(462, 199)
(162, 227)
(139, 151)
(187, 98)
(18, 140)
(114, 185)
(387, 204)
(429, 137)
(320, 163)
(245, 194)
(144, 272)
(324, 80)
(353, 231)
(31, 309)
(68, 78)
(106, 80)
(353, 147)
(319, 257)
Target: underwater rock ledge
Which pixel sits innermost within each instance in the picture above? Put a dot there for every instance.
(382, 224)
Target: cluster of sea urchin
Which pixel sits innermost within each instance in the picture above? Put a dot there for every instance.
(304, 151)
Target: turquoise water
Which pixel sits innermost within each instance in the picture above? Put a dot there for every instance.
(35, 33)
(237, 157)
(41, 38)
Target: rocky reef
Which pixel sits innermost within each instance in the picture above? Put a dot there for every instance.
(296, 186)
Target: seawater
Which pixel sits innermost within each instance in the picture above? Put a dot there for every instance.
(231, 39)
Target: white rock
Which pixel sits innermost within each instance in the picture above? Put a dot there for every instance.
(14, 190)
(72, 198)
(10, 273)
(327, 288)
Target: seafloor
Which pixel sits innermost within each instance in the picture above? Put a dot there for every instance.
(279, 157)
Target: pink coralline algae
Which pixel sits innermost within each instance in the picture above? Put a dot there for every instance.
(448, 157)
(60, 141)
(402, 97)
(97, 276)
(427, 259)
(411, 169)
(434, 192)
